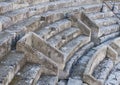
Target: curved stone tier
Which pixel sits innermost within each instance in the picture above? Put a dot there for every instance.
(59, 42)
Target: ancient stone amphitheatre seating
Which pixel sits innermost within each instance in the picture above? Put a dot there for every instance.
(99, 66)
(103, 22)
(59, 42)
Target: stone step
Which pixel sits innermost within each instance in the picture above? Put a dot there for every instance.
(38, 21)
(53, 28)
(102, 71)
(75, 81)
(4, 22)
(71, 63)
(9, 66)
(80, 66)
(49, 6)
(24, 27)
(106, 21)
(27, 1)
(32, 2)
(108, 37)
(99, 15)
(92, 8)
(47, 80)
(5, 43)
(94, 62)
(35, 22)
(28, 75)
(63, 37)
(15, 16)
(38, 51)
(71, 47)
(11, 5)
(105, 30)
(117, 4)
(114, 76)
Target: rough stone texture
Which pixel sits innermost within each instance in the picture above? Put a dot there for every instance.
(33, 54)
(113, 78)
(5, 43)
(99, 56)
(71, 42)
(103, 69)
(74, 82)
(103, 23)
(28, 75)
(67, 70)
(47, 80)
(62, 82)
(115, 45)
(9, 66)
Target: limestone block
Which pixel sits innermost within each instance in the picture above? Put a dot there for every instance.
(94, 61)
(37, 49)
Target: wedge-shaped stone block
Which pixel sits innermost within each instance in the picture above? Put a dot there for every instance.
(37, 49)
(99, 56)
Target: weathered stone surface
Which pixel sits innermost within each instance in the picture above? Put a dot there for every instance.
(113, 78)
(62, 82)
(4, 22)
(64, 37)
(99, 15)
(103, 69)
(73, 45)
(93, 62)
(9, 66)
(69, 65)
(29, 45)
(47, 80)
(28, 75)
(54, 28)
(74, 82)
(103, 22)
(108, 29)
(61, 50)
(5, 43)
(106, 21)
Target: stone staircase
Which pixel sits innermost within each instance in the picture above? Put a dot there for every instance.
(103, 22)
(53, 42)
